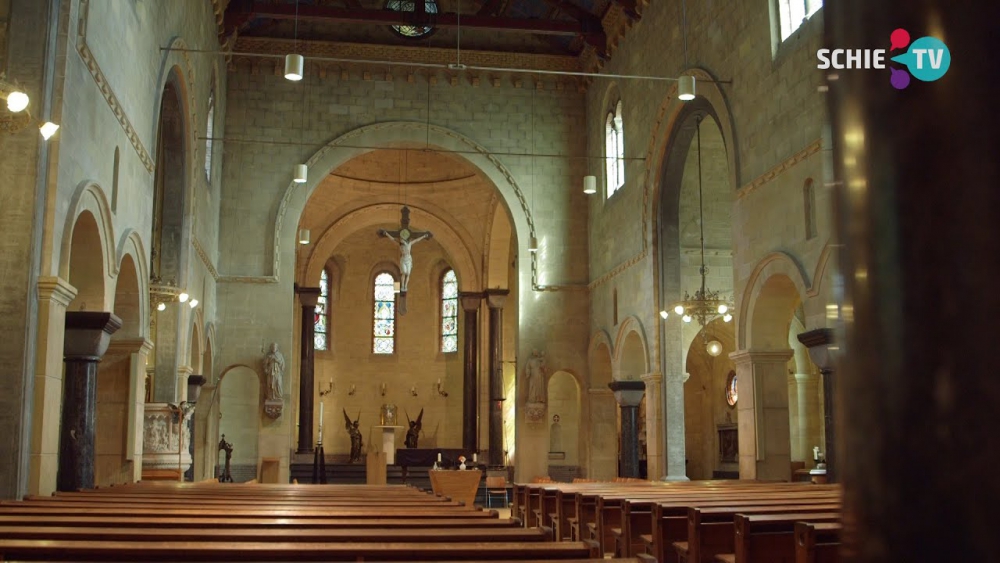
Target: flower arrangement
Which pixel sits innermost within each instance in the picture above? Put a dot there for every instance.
(461, 462)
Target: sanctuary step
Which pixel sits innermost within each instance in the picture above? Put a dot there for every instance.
(355, 474)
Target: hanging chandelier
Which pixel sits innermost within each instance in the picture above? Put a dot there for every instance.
(705, 305)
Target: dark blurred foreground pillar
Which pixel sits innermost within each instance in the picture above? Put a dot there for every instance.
(918, 212)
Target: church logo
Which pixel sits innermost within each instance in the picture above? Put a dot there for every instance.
(927, 59)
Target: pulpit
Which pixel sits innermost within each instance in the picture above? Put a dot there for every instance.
(456, 484)
(389, 442)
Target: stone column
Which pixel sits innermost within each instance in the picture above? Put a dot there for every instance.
(819, 342)
(807, 396)
(137, 405)
(470, 370)
(87, 337)
(654, 422)
(117, 388)
(194, 386)
(54, 295)
(675, 463)
(628, 395)
(762, 410)
(495, 299)
(308, 297)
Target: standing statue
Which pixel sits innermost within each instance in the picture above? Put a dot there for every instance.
(274, 367)
(355, 433)
(413, 434)
(535, 372)
(227, 475)
(405, 238)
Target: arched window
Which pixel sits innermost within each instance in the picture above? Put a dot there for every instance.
(384, 335)
(614, 149)
(793, 13)
(322, 318)
(449, 311)
(209, 130)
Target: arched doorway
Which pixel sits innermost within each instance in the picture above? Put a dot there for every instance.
(710, 417)
(564, 426)
(239, 422)
(603, 445)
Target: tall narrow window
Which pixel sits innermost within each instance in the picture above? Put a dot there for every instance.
(614, 149)
(449, 312)
(793, 13)
(384, 335)
(209, 130)
(321, 322)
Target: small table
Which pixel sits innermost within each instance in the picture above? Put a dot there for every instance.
(389, 443)
(457, 485)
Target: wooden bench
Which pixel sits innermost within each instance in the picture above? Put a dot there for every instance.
(817, 542)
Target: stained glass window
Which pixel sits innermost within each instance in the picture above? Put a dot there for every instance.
(321, 319)
(449, 312)
(384, 341)
(412, 31)
(209, 130)
(614, 150)
(731, 391)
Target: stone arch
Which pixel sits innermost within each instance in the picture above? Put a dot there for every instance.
(195, 349)
(128, 302)
(631, 358)
(208, 362)
(345, 147)
(89, 198)
(130, 247)
(601, 363)
(775, 288)
(369, 217)
(86, 258)
(240, 393)
(565, 400)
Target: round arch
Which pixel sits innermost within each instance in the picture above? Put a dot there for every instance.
(630, 351)
(128, 302)
(394, 133)
(86, 256)
(89, 198)
(775, 287)
(130, 247)
(368, 217)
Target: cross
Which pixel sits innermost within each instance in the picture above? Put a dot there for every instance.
(405, 238)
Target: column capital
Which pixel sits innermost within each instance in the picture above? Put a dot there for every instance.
(88, 334)
(470, 300)
(651, 378)
(628, 393)
(820, 343)
(53, 288)
(308, 296)
(126, 346)
(495, 298)
(761, 356)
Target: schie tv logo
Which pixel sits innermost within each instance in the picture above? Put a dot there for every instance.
(927, 59)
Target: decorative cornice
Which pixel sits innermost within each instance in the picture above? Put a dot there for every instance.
(102, 84)
(363, 52)
(620, 267)
(813, 148)
(200, 250)
(248, 279)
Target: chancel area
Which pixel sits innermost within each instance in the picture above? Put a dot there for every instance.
(495, 279)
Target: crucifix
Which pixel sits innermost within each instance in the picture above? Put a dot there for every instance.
(405, 238)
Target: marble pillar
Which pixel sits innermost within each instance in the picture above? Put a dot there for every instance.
(54, 295)
(654, 423)
(308, 298)
(470, 370)
(495, 299)
(819, 342)
(675, 462)
(628, 395)
(87, 337)
(762, 412)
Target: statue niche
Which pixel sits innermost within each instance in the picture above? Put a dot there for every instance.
(535, 374)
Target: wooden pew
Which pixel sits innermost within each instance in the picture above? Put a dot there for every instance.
(817, 542)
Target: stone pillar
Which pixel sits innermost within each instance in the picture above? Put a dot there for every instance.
(137, 405)
(87, 337)
(308, 297)
(495, 299)
(675, 463)
(120, 386)
(183, 373)
(470, 371)
(194, 386)
(807, 396)
(762, 410)
(628, 395)
(819, 342)
(654, 422)
(54, 295)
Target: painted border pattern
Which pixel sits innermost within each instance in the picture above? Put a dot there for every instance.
(811, 149)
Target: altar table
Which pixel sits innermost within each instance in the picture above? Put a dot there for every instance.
(457, 485)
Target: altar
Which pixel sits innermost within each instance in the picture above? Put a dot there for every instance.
(457, 485)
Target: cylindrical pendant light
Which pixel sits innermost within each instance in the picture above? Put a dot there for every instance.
(294, 65)
(534, 245)
(301, 173)
(304, 236)
(685, 88)
(590, 185)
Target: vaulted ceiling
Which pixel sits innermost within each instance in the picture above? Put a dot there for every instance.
(554, 27)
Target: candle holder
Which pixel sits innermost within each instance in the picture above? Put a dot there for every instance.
(352, 390)
(413, 391)
(440, 389)
(324, 391)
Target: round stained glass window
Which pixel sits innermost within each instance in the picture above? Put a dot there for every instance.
(731, 392)
(412, 31)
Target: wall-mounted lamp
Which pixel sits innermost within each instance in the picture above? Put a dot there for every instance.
(183, 297)
(352, 390)
(440, 389)
(383, 389)
(413, 391)
(304, 236)
(161, 307)
(533, 246)
(590, 185)
(193, 303)
(324, 391)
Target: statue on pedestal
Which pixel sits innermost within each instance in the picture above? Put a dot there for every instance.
(356, 442)
(534, 372)
(413, 434)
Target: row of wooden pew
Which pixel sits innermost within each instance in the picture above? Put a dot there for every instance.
(216, 522)
(690, 522)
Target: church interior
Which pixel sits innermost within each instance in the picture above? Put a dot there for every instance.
(599, 247)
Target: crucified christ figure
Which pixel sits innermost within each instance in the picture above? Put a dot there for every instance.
(405, 238)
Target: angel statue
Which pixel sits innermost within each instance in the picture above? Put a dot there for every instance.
(413, 434)
(355, 433)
